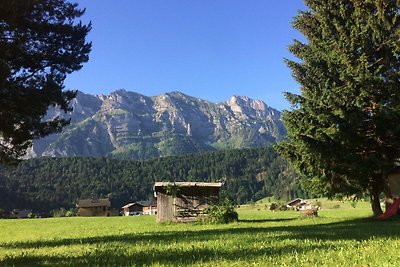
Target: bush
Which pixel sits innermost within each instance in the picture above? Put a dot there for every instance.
(310, 213)
(280, 206)
(70, 213)
(61, 212)
(273, 206)
(222, 213)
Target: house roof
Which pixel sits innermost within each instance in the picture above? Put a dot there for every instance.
(143, 203)
(187, 184)
(92, 202)
(148, 203)
(294, 202)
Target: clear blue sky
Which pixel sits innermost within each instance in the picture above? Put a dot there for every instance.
(211, 49)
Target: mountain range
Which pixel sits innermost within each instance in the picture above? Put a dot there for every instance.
(128, 125)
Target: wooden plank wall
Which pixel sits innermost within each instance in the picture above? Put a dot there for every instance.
(165, 207)
(187, 205)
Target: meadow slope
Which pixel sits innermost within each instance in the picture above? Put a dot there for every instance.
(340, 236)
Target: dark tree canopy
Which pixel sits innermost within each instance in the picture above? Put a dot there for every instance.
(344, 127)
(40, 43)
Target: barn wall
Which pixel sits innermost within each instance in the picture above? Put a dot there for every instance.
(94, 211)
(136, 207)
(85, 212)
(165, 207)
(187, 205)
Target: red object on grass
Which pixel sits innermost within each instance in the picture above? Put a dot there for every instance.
(392, 210)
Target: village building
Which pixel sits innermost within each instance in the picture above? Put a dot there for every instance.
(148, 207)
(19, 214)
(305, 205)
(184, 201)
(94, 207)
(4, 214)
(293, 202)
(299, 204)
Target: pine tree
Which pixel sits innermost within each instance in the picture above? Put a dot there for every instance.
(40, 43)
(344, 127)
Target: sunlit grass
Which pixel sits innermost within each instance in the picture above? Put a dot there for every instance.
(344, 236)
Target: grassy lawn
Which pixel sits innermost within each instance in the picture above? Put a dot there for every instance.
(340, 236)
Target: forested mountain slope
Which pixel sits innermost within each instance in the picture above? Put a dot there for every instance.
(50, 183)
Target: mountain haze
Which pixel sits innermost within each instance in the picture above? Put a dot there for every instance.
(129, 125)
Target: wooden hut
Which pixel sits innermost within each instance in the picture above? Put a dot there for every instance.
(94, 207)
(184, 201)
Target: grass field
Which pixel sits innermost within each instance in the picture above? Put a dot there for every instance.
(340, 236)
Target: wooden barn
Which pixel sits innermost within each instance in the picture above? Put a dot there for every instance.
(184, 201)
(94, 207)
(147, 207)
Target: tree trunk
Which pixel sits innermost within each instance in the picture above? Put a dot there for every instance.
(387, 191)
(375, 203)
(375, 189)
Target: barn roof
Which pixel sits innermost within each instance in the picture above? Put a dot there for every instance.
(187, 184)
(144, 203)
(92, 202)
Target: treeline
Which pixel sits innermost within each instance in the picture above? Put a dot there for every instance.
(44, 184)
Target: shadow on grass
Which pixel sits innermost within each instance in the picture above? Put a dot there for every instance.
(156, 246)
(267, 220)
(175, 257)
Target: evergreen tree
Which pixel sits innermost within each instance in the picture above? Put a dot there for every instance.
(344, 127)
(39, 44)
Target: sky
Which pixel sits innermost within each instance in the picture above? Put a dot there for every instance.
(209, 49)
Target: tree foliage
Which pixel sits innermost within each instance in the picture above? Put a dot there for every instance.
(40, 44)
(343, 129)
(45, 184)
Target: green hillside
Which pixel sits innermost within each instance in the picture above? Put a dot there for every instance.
(44, 184)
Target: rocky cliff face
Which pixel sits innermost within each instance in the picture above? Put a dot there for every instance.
(133, 126)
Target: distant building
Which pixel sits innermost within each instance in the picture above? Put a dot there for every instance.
(95, 207)
(184, 201)
(147, 207)
(305, 205)
(299, 204)
(4, 214)
(293, 202)
(19, 214)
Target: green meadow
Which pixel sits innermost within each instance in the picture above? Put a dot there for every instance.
(342, 235)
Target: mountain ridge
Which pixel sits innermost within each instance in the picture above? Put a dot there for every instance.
(129, 125)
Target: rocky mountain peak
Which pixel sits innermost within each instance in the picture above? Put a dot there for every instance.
(130, 125)
(124, 101)
(248, 107)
